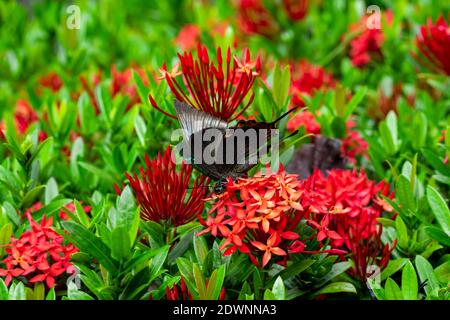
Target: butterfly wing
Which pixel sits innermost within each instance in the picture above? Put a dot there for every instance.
(193, 121)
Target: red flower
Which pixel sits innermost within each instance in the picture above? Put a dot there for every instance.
(189, 37)
(367, 45)
(212, 88)
(51, 81)
(258, 216)
(304, 118)
(163, 193)
(254, 18)
(353, 144)
(123, 83)
(38, 255)
(269, 248)
(433, 42)
(348, 207)
(306, 79)
(296, 9)
(24, 116)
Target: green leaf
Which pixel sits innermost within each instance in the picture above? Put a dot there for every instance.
(11, 213)
(402, 232)
(86, 241)
(278, 289)
(127, 215)
(81, 214)
(388, 131)
(336, 270)
(386, 222)
(439, 208)
(281, 84)
(392, 267)
(409, 282)
(199, 282)
(141, 129)
(200, 249)
(18, 292)
(215, 283)
(268, 295)
(74, 294)
(442, 273)
(39, 291)
(51, 294)
(158, 261)
(4, 295)
(51, 190)
(355, 101)
(155, 232)
(186, 270)
(336, 287)
(392, 291)
(142, 90)
(426, 273)
(419, 130)
(120, 243)
(136, 286)
(404, 194)
(438, 235)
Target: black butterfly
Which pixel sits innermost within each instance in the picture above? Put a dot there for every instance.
(229, 156)
(322, 153)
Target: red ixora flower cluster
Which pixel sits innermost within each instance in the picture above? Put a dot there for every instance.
(347, 207)
(433, 42)
(38, 255)
(258, 216)
(215, 89)
(367, 45)
(306, 79)
(165, 194)
(24, 116)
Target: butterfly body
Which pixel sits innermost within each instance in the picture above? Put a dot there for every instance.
(221, 151)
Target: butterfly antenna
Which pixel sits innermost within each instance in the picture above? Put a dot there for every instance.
(283, 115)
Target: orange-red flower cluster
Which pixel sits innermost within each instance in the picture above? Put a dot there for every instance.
(347, 207)
(258, 216)
(433, 42)
(164, 194)
(215, 89)
(38, 255)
